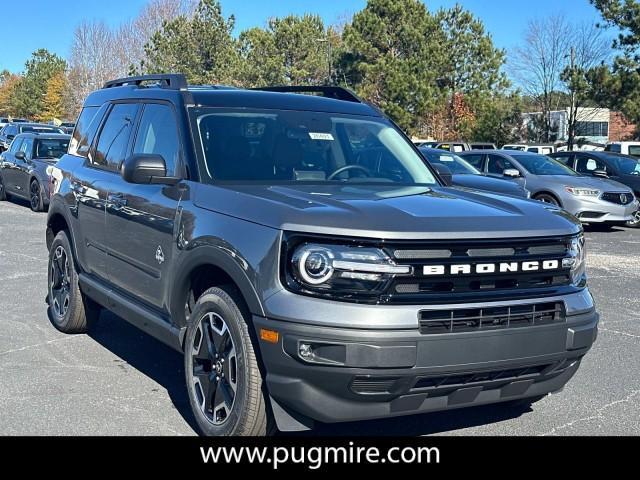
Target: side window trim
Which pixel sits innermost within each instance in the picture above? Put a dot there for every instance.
(96, 138)
(180, 166)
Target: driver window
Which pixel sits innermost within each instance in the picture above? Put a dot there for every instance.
(497, 164)
(588, 165)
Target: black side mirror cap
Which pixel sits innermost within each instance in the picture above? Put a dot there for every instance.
(146, 169)
(20, 156)
(445, 173)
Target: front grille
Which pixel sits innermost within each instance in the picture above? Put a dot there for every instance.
(448, 286)
(467, 379)
(619, 198)
(490, 318)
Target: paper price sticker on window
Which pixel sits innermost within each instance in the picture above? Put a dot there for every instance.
(321, 136)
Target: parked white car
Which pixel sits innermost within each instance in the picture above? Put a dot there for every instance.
(541, 149)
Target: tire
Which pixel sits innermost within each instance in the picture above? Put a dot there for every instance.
(36, 201)
(70, 311)
(635, 223)
(547, 198)
(225, 386)
(3, 191)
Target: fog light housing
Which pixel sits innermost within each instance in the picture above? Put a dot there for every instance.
(305, 350)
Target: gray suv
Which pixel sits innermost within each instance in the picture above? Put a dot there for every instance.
(593, 200)
(304, 258)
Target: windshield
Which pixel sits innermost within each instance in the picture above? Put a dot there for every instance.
(543, 165)
(282, 146)
(51, 147)
(625, 165)
(456, 164)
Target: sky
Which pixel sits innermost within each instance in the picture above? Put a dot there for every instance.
(51, 22)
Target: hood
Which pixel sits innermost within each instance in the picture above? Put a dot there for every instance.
(482, 182)
(387, 212)
(603, 184)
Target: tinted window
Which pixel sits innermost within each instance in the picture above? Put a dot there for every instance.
(39, 129)
(51, 147)
(84, 131)
(11, 130)
(613, 148)
(533, 149)
(158, 134)
(587, 165)
(114, 136)
(294, 146)
(497, 164)
(15, 145)
(474, 159)
(564, 159)
(27, 147)
(634, 150)
(452, 161)
(542, 165)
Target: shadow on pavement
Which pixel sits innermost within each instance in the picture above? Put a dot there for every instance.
(147, 355)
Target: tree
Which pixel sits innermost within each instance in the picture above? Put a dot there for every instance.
(618, 85)
(291, 50)
(202, 46)
(500, 120)
(29, 95)
(54, 102)
(9, 83)
(391, 56)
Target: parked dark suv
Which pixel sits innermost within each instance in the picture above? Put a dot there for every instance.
(292, 242)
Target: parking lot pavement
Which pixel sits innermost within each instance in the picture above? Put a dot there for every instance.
(117, 380)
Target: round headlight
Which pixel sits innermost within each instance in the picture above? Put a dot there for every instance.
(316, 265)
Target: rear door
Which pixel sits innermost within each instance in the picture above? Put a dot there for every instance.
(23, 167)
(140, 218)
(9, 166)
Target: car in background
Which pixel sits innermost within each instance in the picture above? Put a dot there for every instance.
(542, 149)
(68, 127)
(482, 146)
(593, 200)
(23, 168)
(616, 166)
(9, 132)
(5, 120)
(459, 173)
(626, 148)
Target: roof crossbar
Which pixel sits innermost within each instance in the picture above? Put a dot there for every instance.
(172, 81)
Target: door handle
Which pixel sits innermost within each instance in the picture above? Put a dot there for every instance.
(117, 199)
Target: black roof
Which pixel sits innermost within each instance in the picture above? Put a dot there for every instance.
(172, 88)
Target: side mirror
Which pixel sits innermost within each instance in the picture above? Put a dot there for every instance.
(511, 173)
(145, 169)
(444, 173)
(20, 156)
(599, 173)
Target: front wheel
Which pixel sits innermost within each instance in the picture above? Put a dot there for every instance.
(635, 223)
(546, 198)
(224, 382)
(35, 197)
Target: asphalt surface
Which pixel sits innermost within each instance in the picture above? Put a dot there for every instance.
(117, 381)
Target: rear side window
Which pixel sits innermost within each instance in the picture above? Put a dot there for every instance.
(475, 160)
(634, 150)
(114, 136)
(613, 148)
(85, 131)
(158, 134)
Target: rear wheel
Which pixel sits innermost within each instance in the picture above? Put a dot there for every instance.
(224, 382)
(35, 196)
(70, 310)
(547, 198)
(3, 192)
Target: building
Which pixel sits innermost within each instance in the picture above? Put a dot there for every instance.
(594, 125)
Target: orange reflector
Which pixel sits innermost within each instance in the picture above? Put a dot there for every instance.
(270, 336)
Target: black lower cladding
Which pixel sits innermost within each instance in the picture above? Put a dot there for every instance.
(336, 375)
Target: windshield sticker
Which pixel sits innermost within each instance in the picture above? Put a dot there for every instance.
(320, 136)
(446, 158)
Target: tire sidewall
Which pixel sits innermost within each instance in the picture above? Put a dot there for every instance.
(38, 207)
(550, 199)
(210, 302)
(62, 324)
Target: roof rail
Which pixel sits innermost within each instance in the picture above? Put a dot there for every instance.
(328, 91)
(172, 81)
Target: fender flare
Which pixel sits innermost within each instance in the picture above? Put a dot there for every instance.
(213, 256)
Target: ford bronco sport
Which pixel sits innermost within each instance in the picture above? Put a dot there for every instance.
(294, 245)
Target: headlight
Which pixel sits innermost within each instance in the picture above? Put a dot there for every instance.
(340, 271)
(582, 192)
(576, 260)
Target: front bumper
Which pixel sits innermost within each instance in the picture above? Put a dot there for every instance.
(361, 373)
(596, 210)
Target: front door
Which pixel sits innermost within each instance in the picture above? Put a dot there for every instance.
(141, 218)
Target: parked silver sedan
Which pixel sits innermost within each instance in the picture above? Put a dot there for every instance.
(591, 199)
